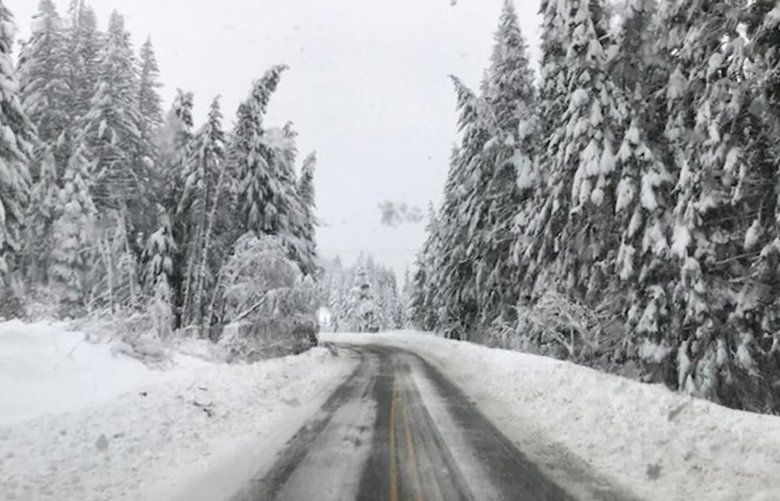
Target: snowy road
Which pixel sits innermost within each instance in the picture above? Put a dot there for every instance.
(397, 429)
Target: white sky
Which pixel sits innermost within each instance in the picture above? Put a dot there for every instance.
(367, 89)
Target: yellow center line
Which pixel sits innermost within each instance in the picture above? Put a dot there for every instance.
(410, 446)
(393, 464)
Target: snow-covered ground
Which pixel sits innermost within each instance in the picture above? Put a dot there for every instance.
(647, 439)
(78, 422)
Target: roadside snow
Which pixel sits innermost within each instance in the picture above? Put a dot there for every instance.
(644, 438)
(197, 431)
(47, 369)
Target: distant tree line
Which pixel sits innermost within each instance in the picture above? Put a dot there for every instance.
(364, 297)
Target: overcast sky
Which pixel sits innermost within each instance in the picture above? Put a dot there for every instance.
(367, 89)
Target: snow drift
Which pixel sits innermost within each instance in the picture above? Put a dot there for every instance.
(78, 421)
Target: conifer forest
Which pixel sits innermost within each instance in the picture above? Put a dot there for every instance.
(273, 250)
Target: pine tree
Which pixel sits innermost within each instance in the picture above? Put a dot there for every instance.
(43, 210)
(364, 312)
(264, 160)
(112, 127)
(425, 297)
(16, 143)
(174, 144)
(453, 271)
(204, 184)
(253, 157)
(84, 42)
(159, 253)
(506, 173)
(149, 103)
(725, 211)
(73, 236)
(579, 158)
(308, 223)
(43, 79)
(644, 266)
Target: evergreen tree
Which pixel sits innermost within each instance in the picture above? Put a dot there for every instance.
(175, 137)
(644, 264)
(159, 253)
(264, 160)
(363, 310)
(73, 236)
(149, 102)
(84, 42)
(204, 183)
(308, 223)
(507, 171)
(43, 210)
(725, 210)
(257, 211)
(425, 296)
(44, 84)
(112, 127)
(453, 272)
(16, 143)
(580, 155)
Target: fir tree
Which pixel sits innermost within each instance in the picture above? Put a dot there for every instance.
(73, 235)
(112, 131)
(149, 102)
(264, 159)
(579, 157)
(84, 42)
(204, 183)
(364, 312)
(16, 143)
(175, 137)
(507, 172)
(454, 273)
(43, 210)
(44, 84)
(257, 211)
(308, 223)
(160, 249)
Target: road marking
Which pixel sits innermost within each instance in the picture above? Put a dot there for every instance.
(393, 465)
(410, 446)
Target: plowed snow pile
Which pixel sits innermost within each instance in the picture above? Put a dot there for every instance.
(80, 423)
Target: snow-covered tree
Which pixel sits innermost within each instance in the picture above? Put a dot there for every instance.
(16, 144)
(112, 126)
(363, 309)
(308, 224)
(453, 271)
(258, 211)
(73, 235)
(84, 42)
(159, 253)
(43, 79)
(43, 210)
(204, 185)
(507, 172)
(174, 143)
(149, 102)
(425, 297)
(269, 202)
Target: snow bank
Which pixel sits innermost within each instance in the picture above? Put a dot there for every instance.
(198, 431)
(46, 369)
(643, 438)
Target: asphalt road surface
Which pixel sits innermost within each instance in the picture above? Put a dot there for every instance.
(398, 430)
